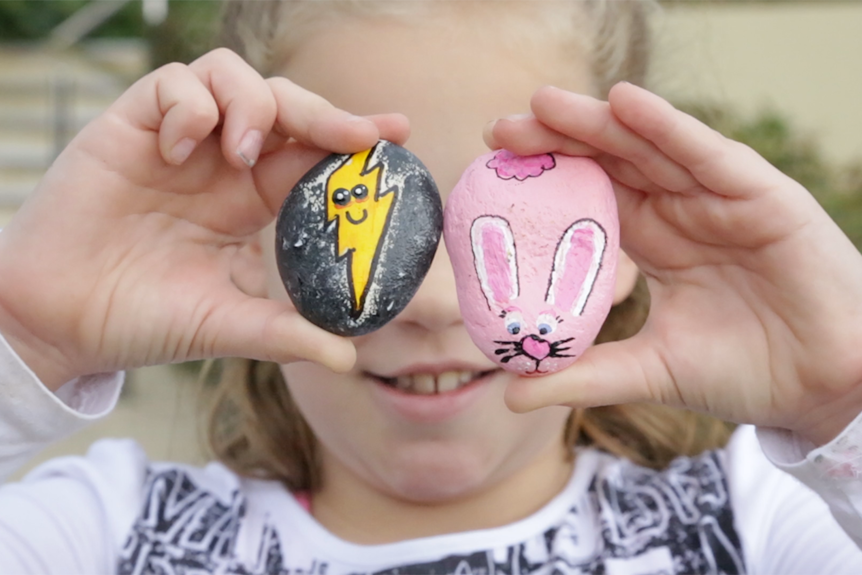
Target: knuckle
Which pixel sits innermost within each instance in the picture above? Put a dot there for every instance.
(273, 336)
(282, 90)
(264, 99)
(223, 55)
(722, 142)
(603, 123)
(269, 107)
(221, 61)
(743, 150)
(202, 110)
(222, 52)
(173, 70)
(279, 83)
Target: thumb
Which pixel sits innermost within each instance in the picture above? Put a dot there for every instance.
(606, 374)
(271, 330)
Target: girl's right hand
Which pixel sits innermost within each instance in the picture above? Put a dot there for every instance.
(139, 245)
(755, 313)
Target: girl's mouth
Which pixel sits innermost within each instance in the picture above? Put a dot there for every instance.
(431, 383)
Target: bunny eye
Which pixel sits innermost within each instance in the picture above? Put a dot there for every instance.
(514, 322)
(546, 324)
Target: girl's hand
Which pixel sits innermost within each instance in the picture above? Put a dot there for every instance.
(139, 245)
(756, 311)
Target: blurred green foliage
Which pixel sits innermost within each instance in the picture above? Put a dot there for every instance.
(694, 2)
(34, 19)
(185, 34)
(837, 188)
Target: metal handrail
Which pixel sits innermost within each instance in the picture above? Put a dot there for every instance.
(82, 22)
(63, 87)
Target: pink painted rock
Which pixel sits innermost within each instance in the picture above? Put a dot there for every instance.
(534, 243)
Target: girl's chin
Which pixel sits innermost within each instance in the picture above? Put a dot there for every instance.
(435, 479)
(432, 489)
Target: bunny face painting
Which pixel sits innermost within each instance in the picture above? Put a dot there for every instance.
(534, 243)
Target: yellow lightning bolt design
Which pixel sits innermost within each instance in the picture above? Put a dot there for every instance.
(362, 220)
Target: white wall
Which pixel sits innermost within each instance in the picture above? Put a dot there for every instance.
(799, 57)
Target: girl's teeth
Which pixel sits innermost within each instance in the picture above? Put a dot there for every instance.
(448, 381)
(404, 382)
(427, 384)
(423, 383)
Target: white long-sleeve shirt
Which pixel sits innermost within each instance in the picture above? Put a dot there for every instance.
(113, 511)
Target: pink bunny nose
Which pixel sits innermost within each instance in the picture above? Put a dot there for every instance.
(536, 347)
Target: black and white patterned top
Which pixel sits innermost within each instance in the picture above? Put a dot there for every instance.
(627, 520)
(113, 510)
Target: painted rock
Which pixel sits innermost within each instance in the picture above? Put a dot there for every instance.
(534, 242)
(356, 236)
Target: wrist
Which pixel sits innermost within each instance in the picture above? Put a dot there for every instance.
(46, 362)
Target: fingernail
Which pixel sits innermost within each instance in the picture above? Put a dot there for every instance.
(182, 150)
(518, 117)
(356, 119)
(249, 147)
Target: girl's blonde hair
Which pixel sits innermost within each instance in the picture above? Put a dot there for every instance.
(255, 427)
(614, 33)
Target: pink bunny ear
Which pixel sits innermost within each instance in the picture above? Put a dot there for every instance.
(576, 265)
(494, 257)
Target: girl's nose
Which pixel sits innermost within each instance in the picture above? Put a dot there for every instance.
(435, 305)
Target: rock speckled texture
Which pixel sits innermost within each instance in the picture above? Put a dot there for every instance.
(356, 236)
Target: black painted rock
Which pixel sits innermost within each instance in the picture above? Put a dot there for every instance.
(356, 236)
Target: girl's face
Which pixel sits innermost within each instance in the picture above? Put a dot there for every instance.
(449, 77)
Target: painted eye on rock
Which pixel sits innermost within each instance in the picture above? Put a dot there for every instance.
(360, 192)
(341, 197)
(514, 322)
(546, 324)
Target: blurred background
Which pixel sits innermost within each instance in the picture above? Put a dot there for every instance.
(778, 75)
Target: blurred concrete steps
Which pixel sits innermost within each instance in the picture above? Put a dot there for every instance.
(46, 97)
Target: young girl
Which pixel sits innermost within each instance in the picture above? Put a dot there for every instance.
(148, 241)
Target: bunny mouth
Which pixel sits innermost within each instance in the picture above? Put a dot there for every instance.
(532, 347)
(432, 384)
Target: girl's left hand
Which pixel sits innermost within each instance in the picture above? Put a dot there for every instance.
(756, 313)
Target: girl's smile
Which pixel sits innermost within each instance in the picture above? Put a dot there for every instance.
(421, 395)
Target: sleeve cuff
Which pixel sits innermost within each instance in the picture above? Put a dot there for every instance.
(84, 398)
(833, 470)
(31, 416)
(91, 396)
(841, 458)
